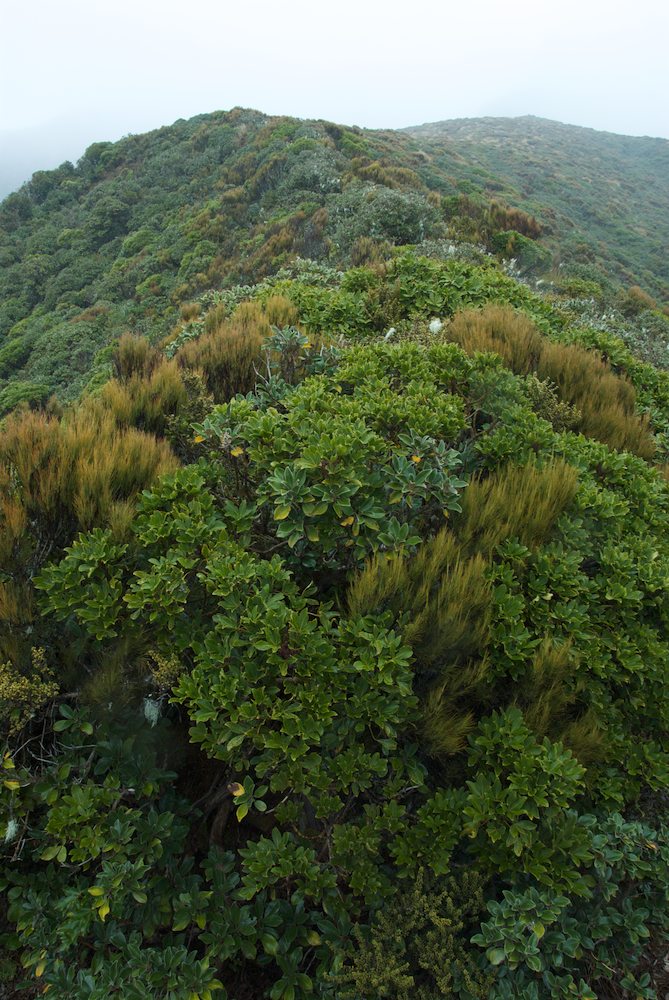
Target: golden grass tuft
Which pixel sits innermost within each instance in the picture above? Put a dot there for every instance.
(230, 354)
(134, 356)
(189, 311)
(499, 330)
(281, 312)
(143, 400)
(518, 501)
(451, 599)
(606, 401)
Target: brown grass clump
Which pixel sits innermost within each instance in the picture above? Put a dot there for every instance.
(605, 401)
(281, 312)
(444, 599)
(498, 330)
(65, 475)
(230, 355)
(444, 593)
(548, 699)
(521, 502)
(189, 311)
(144, 400)
(134, 356)
(58, 477)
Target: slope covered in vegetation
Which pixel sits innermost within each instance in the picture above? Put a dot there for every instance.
(607, 194)
(334, 637)
(139, 228)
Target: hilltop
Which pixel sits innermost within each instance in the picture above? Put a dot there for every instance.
(603, 198)
(138, 228)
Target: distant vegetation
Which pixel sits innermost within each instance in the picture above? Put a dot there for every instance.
(603, 199)
(139, 227)
(333, 613)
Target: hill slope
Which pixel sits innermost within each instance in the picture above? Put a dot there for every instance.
(333, 624)
(609, 193)
(333, 665)
(138, 227)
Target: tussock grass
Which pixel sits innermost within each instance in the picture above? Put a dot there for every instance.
(606, 402)
(229, 355)
(518, 501)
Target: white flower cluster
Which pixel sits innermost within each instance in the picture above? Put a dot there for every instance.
(11, 831)
(151, 711)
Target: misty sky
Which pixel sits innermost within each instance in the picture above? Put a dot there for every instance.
(76, 71)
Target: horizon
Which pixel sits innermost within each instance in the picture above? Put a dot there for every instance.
(97, 74)
(76, 146)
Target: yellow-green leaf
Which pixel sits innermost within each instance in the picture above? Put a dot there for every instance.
(96, 890)
(281, 513)
(103, 911)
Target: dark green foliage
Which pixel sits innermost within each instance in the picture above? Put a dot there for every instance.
(520, 805)
(544, 943)
(346, 464)
(140, 227)
(529, 256)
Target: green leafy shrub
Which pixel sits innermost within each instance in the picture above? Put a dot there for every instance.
(545, 944)
(336, 468)
(530, 257)
(520, 804)
(401, 632)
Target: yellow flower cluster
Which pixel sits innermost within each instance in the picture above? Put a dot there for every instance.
(21, 696)
(165, 670)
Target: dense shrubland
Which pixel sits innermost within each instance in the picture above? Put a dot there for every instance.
(601, 223)
(334, 637)
(132, 232)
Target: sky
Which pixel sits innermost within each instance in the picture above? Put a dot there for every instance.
(79, 71)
